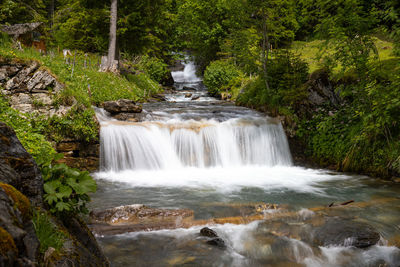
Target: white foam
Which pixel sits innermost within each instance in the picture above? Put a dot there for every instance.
(226, 179)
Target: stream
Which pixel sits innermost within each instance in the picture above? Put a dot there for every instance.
(199, 153)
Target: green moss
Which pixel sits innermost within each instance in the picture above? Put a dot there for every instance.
(6, 242)
(21, 202)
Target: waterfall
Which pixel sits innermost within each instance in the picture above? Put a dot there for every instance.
(202, 144)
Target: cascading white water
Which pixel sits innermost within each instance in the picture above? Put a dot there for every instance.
(176, 144)
(188, 75)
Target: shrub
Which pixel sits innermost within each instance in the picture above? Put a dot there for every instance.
(66, 189)
(286, 75)
(78, 123)
(154, 67)
(219, 74)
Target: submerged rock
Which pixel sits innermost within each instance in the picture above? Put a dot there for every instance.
(122, 105)
(136, 212)
(195, 97)
(343, 232)
(188, 95)
(218, 242)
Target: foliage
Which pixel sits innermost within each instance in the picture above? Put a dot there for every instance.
(78, 123)
(66, 189)
(154, 67)
(31, 137)
(218, 75)
(287, 74)
(47, 232)
(347, 26)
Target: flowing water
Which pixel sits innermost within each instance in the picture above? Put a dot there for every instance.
(213, 157)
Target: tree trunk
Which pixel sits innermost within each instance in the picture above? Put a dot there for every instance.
(111, 64)
(265, 50)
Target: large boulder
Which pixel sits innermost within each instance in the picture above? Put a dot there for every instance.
(122, 106)
(18, 167)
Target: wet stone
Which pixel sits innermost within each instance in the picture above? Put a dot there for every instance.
(218, 242)
(208, 232)
(343, 232)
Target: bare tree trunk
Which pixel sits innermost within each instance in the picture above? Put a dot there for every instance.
(111, 62)
(265, 50)
(51, 13)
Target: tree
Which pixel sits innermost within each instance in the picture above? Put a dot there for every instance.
(111, 64)
(276, 22)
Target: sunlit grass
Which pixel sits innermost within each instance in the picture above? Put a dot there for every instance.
(311, 51)
(86, 84)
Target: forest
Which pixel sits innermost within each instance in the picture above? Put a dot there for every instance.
(259, 54)
(328, 71)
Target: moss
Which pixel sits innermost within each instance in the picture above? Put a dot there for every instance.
(21, 202)
(6, 242)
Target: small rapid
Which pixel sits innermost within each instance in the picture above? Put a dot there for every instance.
(199, 153)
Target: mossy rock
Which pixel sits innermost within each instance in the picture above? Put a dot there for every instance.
(7, 243)
(21, 202)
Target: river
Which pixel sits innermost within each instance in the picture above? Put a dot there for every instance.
(196, 152)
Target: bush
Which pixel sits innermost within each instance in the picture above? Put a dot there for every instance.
(66, 189)
(78, 124)
(219, 74)
(287, 74)
(155, 68)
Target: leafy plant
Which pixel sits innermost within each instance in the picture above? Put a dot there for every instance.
(219, 74)
(66, 189)
(155, 68)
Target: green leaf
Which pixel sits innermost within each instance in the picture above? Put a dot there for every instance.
(64, 191)
(61, 206)
(51, 187)
(50, 198)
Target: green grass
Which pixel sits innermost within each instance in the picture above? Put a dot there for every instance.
(47, 232)
(77, 78)
(310, 51)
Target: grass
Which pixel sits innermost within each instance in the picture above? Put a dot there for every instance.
(80, 80)
(310, 51)
(47, 232)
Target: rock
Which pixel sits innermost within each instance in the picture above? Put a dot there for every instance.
(343, 232)
(42, 99)
(321, 89)
(185, 88)
(18, 99)
(168, 80)
(208, 232)
(195, 97)
(159, 97)
(122, 105)
(19, 81)
(178, 66)
(40, 80)
(132, 117)
(24, 108)
(134, 212)
(21, 245)
(28, 179)
(187, 95)
(218, 242)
